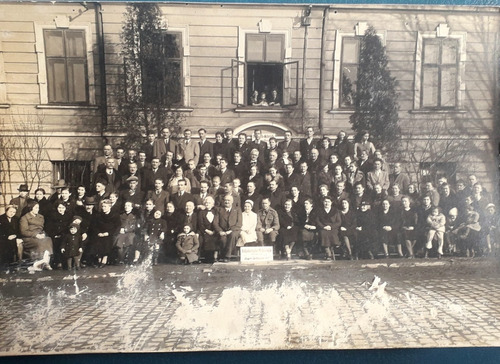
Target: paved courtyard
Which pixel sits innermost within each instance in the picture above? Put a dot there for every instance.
(280, 305)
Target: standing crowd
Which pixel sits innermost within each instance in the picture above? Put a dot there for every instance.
(190, 200)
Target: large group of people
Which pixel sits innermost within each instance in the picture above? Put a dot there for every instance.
(190, 201)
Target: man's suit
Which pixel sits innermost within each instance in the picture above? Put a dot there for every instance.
(179, 200)
(149, 177)
(290, 147)
(160, 147)
(225, 221)
(381, 177)
(159, 199)
(190, 150)
(304, 183)
(226, 177)
(206, 147)
(191, 220)
(268, 220)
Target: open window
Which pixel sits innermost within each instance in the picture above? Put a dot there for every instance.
(264, 79)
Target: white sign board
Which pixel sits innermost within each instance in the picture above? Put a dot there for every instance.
(256, 253)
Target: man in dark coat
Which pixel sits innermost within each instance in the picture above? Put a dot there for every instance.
(328, 223)
(288, 144)
(205, 145)
(180, 198)
(227, 223)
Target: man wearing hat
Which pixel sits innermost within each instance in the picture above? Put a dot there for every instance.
(133, 193)
(21, 200)
(133, 171)
(58, 190)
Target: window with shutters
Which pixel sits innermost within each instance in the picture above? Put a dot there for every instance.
(66, 63)
(265, 79)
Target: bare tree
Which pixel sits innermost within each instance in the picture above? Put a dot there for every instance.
(6, 155)
(442, 150)
(29, 147)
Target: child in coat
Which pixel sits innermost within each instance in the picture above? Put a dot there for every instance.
(71, 247)
(187, 245)
(155, 234)
(470, 234)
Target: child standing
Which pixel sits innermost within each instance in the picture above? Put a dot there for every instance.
(436, 222)
(187, 245)
(71, 247)
(155, 234)
(470, 234)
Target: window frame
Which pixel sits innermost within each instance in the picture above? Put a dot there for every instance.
(42, 64)
(185, 65)
(239, 69)
(358, 31)
(442, 31)
(67, 60)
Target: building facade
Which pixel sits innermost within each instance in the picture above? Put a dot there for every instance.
(61, 64)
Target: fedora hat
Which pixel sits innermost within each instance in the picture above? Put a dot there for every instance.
(89, 201)
(60, 184)
(23, 188)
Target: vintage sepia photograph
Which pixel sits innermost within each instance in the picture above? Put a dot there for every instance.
(200, 177)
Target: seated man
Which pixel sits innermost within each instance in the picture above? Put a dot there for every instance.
(227, 223)
(269, 221)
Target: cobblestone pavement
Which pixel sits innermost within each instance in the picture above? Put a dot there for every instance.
(280, 305)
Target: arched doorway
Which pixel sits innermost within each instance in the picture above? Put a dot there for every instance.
(269, 129)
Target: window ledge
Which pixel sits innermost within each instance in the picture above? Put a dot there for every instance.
(262, 109)
(182, 109)
(437, 111)
(4, 106)
(68, 107)
(340, 111)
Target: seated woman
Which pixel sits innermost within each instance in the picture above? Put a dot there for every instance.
(10, 239)
(207, 230)
(36, 243)
(347, 232)
(289, 231)
(187, 245)
(262, 100)
(104, 229)
(388, 226)
(307, 223)
(249, 226)
(254, 99)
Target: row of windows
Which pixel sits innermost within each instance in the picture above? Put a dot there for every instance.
(269, 81)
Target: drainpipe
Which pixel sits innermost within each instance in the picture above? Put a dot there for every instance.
(102, 67)
(304, 63)
(322, 68)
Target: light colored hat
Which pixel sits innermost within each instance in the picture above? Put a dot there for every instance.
(250, 202)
